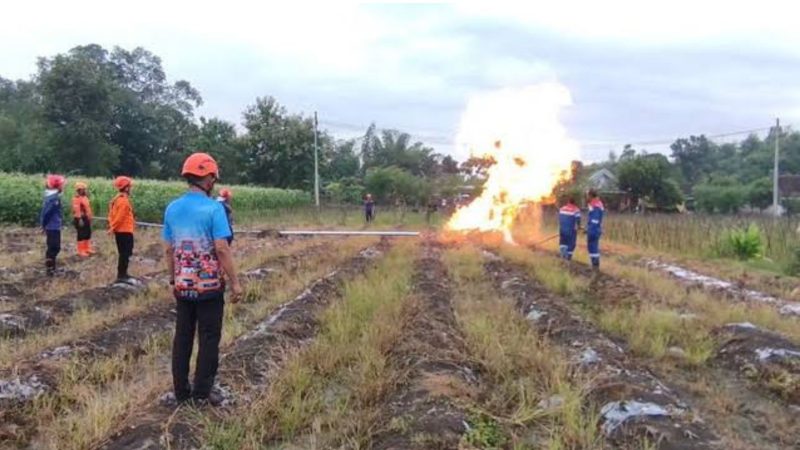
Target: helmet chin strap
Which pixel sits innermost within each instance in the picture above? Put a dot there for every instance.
(203, 188)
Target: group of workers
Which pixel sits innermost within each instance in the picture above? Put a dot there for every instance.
(569, 224)
(121, 221)
(197, 233)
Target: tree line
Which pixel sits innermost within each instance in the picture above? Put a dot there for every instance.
(709, 176)
(98, 112)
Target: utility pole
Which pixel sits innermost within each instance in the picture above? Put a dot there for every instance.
(316, 163)
(775, 193)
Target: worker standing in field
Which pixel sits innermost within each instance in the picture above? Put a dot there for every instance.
(50, 220)
(196, 233)
(569, 221)
(225, 196)
(82, 219)
(594, 227)
(121, 223)
(369, 208)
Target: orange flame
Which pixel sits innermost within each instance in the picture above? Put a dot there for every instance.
(520, 130)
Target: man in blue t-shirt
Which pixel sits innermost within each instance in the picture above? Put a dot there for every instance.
(196, 233)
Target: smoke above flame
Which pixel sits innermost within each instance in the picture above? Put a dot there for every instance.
(520, 130)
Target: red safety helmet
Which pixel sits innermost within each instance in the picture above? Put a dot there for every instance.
(54, 181)
(226, 193)
(122, 182)
(200, 165)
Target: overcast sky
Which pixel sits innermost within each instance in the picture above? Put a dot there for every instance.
(638, 72)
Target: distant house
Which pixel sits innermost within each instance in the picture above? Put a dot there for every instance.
(607, 186)
(603, 180)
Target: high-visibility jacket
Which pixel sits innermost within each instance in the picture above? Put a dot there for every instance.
(81, 209)
(120, 214)
(569, 219)
(594, 225)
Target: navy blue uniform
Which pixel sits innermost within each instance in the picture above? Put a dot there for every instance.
(594, 229)
(569, 220)
(51, 220)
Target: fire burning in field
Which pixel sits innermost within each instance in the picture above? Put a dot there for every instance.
(520, 130)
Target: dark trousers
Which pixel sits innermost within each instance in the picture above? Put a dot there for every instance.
(593, 246)
(369, 215)
(84, 232)
(53, 248)
(125, 250)
(567, 243)
(205, 316)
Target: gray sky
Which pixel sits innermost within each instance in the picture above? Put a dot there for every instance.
(637, 72)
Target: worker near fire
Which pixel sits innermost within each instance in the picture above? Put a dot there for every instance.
(225, 196)
(569, 221)
(50, 220)
(200, 264)
(121, 223)
(594, 227)
(82, 219)
(369, 208)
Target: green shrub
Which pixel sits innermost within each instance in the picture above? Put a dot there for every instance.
(21, 197)
(742, 243)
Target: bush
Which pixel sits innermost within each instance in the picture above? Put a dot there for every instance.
(793, 267)
(722, 199)
(21, 197)
(742, 243)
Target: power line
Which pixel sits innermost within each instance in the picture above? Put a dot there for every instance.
(664, 141)
(447, 139)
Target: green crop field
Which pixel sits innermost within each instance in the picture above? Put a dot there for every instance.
(21, 197)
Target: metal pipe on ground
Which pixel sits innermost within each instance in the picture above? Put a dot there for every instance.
(392, 233)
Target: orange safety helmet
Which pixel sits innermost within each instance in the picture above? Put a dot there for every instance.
(80, 185)
(54, 181)
(226, 193)
(121, 182)
(200, 165)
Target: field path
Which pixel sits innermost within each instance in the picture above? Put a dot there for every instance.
(247, 364)
(635, 406)
(425, 410)
(736, 387)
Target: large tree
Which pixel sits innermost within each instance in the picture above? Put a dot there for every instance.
(279, 147)
(695, 158)
(648, 176)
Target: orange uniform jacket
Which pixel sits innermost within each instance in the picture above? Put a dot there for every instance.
(81, 207)
(120, 215)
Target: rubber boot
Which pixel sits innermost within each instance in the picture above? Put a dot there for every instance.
(89, 248)
(82, 252)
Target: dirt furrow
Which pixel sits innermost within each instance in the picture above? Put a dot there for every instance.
(37, 314)
(736, 386)
(722, 288)
(635, 406)
(247, 365)
(28, 379)
(756, 355)
(425, 410)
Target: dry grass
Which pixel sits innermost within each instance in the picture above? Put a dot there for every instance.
(325, 395)
(95, 396)
(84, 322)
(665, 315)
(523, 369)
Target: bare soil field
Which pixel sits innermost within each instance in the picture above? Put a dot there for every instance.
(367, 343)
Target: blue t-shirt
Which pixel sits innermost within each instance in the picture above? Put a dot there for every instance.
(191, 225)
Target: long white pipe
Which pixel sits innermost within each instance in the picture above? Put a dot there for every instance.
(303, 232)
(347, 233)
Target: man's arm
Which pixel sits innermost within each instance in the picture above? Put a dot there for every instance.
(169, 254)
(225, 257)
